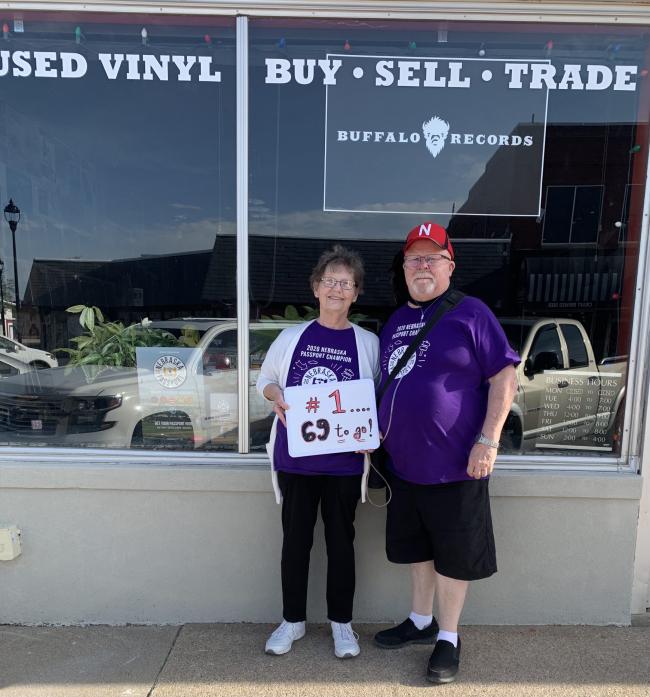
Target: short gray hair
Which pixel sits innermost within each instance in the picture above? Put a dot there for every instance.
(339, 256)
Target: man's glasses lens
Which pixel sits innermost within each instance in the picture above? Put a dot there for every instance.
(414, 262)
(330, 282)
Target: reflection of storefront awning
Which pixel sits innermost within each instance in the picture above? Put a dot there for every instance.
(574, 281)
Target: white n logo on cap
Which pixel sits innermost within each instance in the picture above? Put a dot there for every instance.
(425, 230)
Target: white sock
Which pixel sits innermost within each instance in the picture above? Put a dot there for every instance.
(451, 637)
(420, 621)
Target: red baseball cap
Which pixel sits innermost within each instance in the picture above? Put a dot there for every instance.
(430, 231)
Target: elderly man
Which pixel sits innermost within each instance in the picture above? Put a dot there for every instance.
(441, 418)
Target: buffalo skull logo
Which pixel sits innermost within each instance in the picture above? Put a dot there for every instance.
(435, 134)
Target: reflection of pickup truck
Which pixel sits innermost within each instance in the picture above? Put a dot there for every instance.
(565, 400)
(103, 407)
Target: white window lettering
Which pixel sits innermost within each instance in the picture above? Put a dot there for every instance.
(73, 65)
(43, 60)
(329, 68)
(454, 76)
(205, 75)
(4, 63)
(571, 78)
(430, 79)
(277, 71)
(542, 73)
(384, 76)
(133, 73)
(515, 71)
(624, 74)
(22, 68)
(406, 70)
(184, 65)
(599, 77)
(157, 65)
(303, 70)
(111, 68)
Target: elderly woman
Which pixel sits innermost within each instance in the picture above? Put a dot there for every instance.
(303, 355)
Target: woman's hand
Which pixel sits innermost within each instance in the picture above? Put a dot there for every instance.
(275, 394)
(370, 450)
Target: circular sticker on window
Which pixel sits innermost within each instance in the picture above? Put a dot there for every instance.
(318, 375)
(394, 358)
(170, 371)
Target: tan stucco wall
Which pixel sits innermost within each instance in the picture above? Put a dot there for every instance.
(155, 544)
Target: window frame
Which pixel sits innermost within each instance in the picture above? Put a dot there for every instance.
(584, 14)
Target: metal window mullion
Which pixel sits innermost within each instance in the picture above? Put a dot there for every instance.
(242, 232)
(639, 346)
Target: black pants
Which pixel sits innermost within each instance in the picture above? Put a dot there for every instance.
(338, 497)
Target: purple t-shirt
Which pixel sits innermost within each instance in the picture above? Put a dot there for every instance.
(439, 400)
(321, 355)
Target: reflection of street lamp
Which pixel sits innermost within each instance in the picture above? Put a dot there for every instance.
(12, 216)
(2, 297)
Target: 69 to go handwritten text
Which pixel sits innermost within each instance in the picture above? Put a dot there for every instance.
(334, 417)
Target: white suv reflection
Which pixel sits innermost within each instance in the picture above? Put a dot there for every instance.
(93, 406)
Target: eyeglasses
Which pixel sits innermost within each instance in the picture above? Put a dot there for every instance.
(330, 282)
(414, 262)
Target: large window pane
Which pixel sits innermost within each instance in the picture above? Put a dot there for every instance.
(536, 168)
(117, 144)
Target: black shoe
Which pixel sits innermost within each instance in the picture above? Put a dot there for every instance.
(443, 664)
(406, 633)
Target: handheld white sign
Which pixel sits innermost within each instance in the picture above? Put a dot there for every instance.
(335, 417)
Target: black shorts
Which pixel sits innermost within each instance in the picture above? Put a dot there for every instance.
(449, 524)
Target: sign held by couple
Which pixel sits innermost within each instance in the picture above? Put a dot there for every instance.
(334, 417)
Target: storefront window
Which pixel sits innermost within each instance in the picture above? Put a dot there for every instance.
(117, 145)
(527, 142)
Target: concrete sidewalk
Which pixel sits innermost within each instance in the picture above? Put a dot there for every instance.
(201, 660)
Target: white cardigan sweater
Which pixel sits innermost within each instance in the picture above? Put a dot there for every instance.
(276, 368)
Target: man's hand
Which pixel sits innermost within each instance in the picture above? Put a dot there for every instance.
(481, 461)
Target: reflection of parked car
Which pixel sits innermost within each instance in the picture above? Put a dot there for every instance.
(11, 366)
(32, 356)
(565, 399)
(103, 407)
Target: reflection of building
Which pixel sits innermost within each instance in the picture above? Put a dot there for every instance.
(203, 283)
(10, 319)
(569, 260)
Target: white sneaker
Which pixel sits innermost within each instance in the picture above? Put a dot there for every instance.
(283, 637)
(346, 644)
